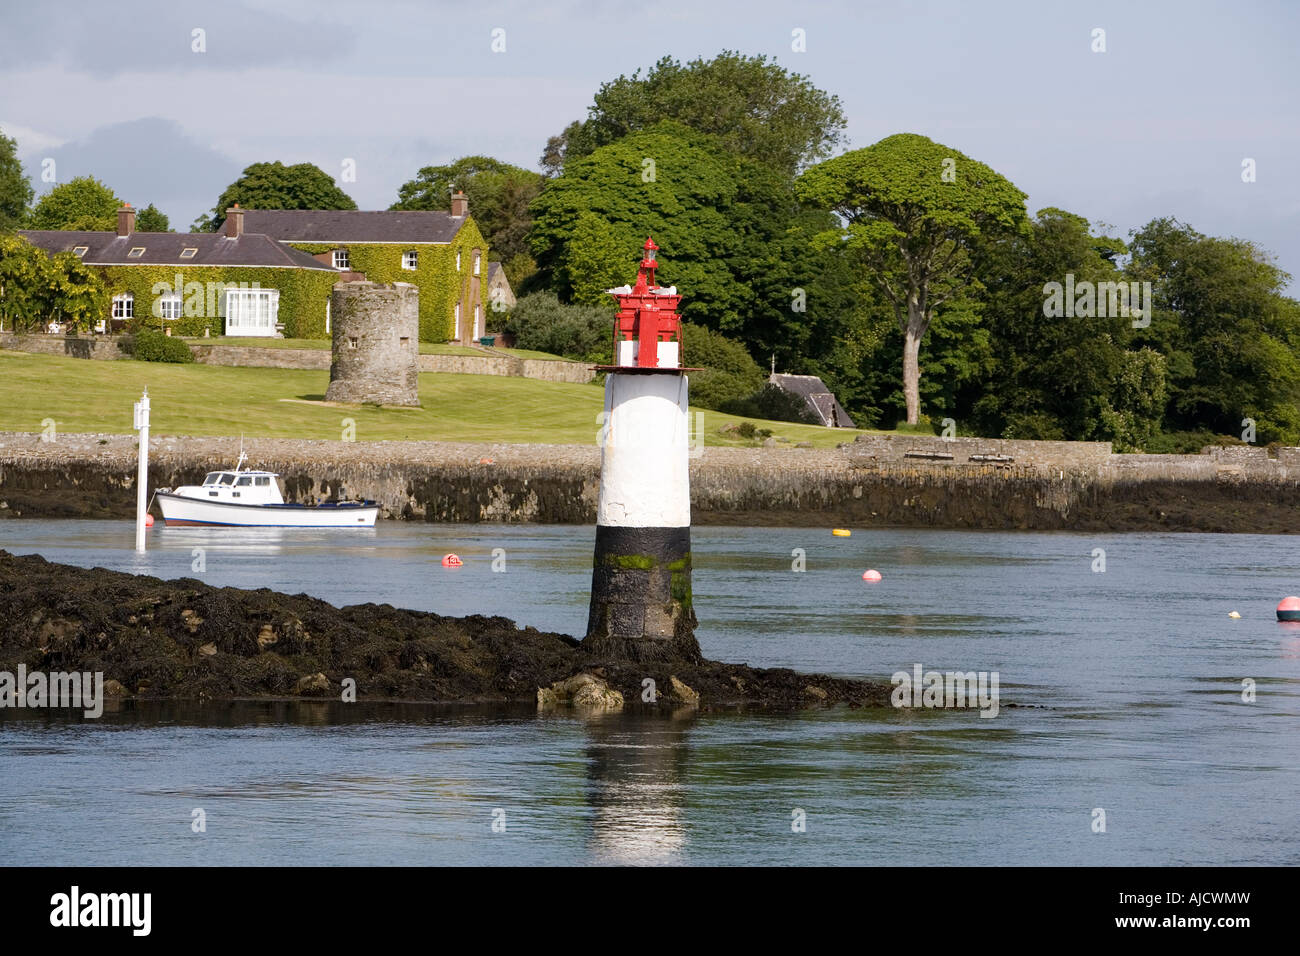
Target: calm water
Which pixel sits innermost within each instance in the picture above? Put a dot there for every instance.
(1134, 676)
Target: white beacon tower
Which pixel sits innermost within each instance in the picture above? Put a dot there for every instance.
(641, 575)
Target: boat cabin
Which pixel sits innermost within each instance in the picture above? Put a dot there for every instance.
(244, 487)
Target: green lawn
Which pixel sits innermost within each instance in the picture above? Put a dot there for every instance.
(91, 396)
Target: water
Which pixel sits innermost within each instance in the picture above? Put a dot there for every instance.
(1130, 683)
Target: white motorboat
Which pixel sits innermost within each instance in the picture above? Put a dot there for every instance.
(242, 498)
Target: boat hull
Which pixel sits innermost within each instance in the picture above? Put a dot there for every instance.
(190, 512)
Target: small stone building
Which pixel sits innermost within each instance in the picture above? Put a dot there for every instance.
(376, 344)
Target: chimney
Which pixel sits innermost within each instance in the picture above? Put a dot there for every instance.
(459, 204)
(234, 222)
(125, 220)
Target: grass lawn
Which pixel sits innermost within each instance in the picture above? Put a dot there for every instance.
(91, 396)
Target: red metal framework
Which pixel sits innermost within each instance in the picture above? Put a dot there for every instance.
(647, 321)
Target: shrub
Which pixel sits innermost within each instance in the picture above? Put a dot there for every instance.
(149, 345)
(541, 322)
(772, 403)
(730, 373)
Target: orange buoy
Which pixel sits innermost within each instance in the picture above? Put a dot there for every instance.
(451, 561)
(871, 575)
(1288, 609)
(841, 532)
(148, 521)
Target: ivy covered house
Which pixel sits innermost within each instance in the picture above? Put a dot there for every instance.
(269, 272)
(229, 282)
(441, 253)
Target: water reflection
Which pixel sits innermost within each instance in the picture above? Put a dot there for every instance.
(635, 786)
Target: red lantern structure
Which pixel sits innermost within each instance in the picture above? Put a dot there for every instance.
(648, 334)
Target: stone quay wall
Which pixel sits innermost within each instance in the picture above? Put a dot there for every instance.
(105, 347)
(1242, 490)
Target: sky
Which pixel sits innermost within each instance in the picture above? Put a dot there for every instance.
(1158, 124)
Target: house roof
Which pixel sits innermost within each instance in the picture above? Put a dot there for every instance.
(165, 248)
(817, 397)
(353, 225)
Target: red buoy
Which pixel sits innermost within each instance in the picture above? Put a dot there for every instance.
(1288, 609)
(871, 575)
(148, 521)
(451, 561)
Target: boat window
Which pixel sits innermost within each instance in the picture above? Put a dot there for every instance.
(246, 480)
(227, 479)
(212, 478)
(263, 481)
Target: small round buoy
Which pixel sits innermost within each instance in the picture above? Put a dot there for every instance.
(1233, 614)
(1288, 609)
(871, 575)
(148, 521)
(841, 532)
(451, 561)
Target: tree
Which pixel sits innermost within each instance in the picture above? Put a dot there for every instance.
(1229, 336)
(498, 195)
(15, 188)
(1056, 376)
(277, 186)
(756, 109)
(75, 293)
(23, 280)
(152, 219)
(81, 203)
(913, 210)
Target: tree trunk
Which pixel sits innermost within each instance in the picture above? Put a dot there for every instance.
(912, 335)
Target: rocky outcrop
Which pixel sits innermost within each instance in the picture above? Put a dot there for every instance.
(185, 639)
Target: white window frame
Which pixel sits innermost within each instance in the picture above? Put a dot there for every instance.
(457, 334)
(123, 306)
(136, 252)
(327, 316)
(478, 256)
(411, 260)
(170, 302)
(477, 331)
(80, 251)
(190, 252)
(251, 311)
(342, 259)
(457, 260)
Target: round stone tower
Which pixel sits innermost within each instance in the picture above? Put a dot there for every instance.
(376, 344)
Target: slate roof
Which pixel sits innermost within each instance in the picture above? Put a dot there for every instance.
(164, 248)
(353, 225)
(817, 397)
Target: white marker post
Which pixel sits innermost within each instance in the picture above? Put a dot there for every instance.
(142, 474)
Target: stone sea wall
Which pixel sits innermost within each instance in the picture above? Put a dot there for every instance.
(863, 484)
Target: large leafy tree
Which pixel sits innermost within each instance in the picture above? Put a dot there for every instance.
(718, 218)
(1231, 338)
(35, 287)
(23, 281)
(81, 203)
(498, 195)
(913, 210)
(277, 186)
(15, 188)
(1057, 377)
(755, 108)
